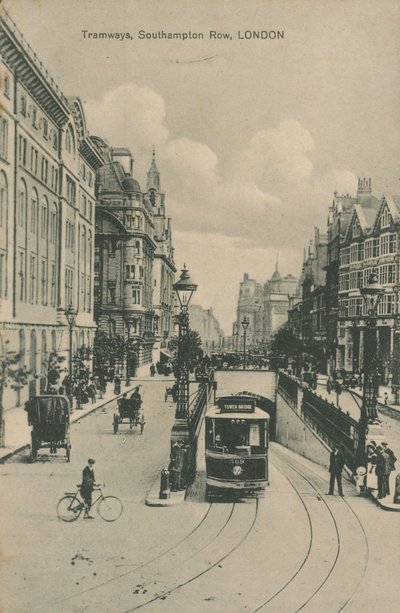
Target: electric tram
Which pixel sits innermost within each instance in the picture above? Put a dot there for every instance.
(236, 447)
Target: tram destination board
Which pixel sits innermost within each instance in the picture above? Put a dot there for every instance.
(237, 405)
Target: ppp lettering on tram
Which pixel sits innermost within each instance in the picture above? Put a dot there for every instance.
(236, 447)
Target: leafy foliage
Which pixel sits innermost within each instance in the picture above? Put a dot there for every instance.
(107, 351)
(12, 373)
(195, 352)
(285, 343)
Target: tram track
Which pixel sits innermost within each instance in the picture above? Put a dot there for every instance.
(181, 585)
(304, 561)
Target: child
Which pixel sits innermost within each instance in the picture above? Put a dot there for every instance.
(360, 479)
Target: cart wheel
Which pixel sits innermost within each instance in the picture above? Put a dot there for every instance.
(115, 423)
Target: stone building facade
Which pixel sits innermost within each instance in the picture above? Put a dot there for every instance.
(206, 324)
(125, 249)
(163, 265)
(47, 206)
(266, 308)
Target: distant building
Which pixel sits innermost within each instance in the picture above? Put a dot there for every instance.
(47, 208)
(206, 324)
(266, 309)
(313, 290)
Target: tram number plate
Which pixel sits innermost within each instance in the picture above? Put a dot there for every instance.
(237, 461)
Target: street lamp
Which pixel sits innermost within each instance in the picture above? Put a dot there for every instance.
(245, 325)
(184, 289)
(70, 314)
(372, 294)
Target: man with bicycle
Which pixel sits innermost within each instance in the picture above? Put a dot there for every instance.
(88, 483)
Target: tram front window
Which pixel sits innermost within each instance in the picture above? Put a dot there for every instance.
(230, 434)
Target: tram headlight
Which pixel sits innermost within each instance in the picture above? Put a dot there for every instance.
(237, 470)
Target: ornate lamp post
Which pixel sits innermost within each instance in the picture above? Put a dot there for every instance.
(70, 314)
(184, 289)
(372, 294)
(245, 325)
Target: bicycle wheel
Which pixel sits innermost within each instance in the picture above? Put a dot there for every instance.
(69, 508)
(110, 508)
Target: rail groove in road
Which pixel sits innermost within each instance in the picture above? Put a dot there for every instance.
(303, 566)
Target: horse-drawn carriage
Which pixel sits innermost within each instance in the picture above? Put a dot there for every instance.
(49, 417)
(128, 412)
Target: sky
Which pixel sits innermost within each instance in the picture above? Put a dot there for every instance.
(252, 137)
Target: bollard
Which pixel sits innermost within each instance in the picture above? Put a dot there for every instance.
(165, 492)
(396, 497)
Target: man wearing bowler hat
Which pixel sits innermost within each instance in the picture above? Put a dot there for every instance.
(88, 483)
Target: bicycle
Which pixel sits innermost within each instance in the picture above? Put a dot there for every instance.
(69, 507)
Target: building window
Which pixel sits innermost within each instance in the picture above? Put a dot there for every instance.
(70, 141)
(90, 179)
(22, 204)
(53, 225)
(3, 200)
(44, 281)
(135, 296)
(387, 305)
(88, 293)
(21, 274)
(32, 287)
(369, 248)
(53, 285)
(130, 271)
(6, 86)
(90, 210)
(22, 150)
(34, 117)
(34, 211)
(69, 276)
(45, 170)
(384, 244)
(34, 160)
(386, 219)
(23, 105)
(3, 138)
(344, 256)
(137, 247)
(392, 243)
(45, 128)
(387, 274)
(111, 295)
(43, 224)
(69, 235)
(3, 275)
(71, 191)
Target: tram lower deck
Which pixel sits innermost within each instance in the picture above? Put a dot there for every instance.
(236, 446)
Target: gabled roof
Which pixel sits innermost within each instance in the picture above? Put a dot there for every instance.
(393, 205)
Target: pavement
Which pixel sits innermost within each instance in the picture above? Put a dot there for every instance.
(18, 432)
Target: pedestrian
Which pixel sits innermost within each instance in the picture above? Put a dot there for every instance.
(329, 385)
(117, 385)
(152, 370)
(88, 484)
(141, 423)
(91, 389)
(137, 399)
(382, 471)
(336, 465)
(392, 464)
(111, 372)
(385, 399)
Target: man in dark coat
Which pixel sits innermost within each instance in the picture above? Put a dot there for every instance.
(336, 464)
(88, 483)
(382, 471)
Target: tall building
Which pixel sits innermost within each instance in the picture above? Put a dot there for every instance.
(313, 289)
(125, 249)
(163, 265)
(266, 308)
(206, 324)
(47, 203)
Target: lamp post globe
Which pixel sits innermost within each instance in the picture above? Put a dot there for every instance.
(372, 294)
(245, 324)
(184, 288)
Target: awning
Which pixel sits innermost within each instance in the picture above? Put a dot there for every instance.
(165, 355)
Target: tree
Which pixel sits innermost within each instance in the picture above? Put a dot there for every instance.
(285, 343)
(13, 374)
(107, 351)
(195, 352)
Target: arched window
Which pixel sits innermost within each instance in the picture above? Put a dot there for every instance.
(70, 141)
(137, 247)
(53, 224)
(34, 211)
(33, 364)
(53, 340)
(43, 218)
(22, 200)
(3, 200)
(21, 349)
(44, 354)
